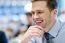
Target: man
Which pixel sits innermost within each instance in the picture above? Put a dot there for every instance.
(3, 38)
(47, 28)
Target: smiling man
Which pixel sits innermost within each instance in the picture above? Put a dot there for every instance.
(47, 28)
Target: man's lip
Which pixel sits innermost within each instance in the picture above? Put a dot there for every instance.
(38, 22)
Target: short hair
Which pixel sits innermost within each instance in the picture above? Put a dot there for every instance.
(51, 4)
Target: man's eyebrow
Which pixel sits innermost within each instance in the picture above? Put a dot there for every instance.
(39, 10)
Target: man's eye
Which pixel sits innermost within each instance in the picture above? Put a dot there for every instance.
(39, 12)
(32, 12)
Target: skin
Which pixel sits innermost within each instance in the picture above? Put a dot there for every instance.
(43, 18)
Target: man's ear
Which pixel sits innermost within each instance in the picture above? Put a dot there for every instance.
(54, 13)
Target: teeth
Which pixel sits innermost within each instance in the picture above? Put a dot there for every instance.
(39, 21)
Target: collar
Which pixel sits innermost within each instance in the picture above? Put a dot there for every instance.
(55, 29)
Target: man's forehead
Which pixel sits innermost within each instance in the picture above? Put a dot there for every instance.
(39, 5)
(39, 2)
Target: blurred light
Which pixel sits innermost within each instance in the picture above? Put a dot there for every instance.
(15, 17)
(2, 2)
(23, 18)
(6, 10)
(62, 18)
(7, 2)
(63, 3)
(28, 7)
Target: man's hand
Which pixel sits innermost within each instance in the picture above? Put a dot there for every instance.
(33, 31)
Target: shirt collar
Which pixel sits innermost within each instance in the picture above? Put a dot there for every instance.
(55, 29)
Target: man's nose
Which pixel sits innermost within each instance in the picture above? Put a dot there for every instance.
(35, 16)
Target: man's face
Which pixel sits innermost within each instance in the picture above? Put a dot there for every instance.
(41, 14)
